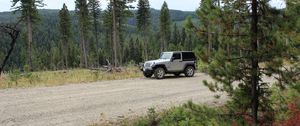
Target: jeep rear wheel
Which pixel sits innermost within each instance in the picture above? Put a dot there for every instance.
(159, 73)
(189, 71)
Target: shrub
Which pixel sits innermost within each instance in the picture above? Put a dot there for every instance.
(14, 77)
(189, 114)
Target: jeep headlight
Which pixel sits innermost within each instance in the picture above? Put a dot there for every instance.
(152, 64)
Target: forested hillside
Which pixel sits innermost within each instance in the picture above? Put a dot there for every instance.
(239, 43)
(47, 39)
(176, 16)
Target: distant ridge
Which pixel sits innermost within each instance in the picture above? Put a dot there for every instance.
(176, 15)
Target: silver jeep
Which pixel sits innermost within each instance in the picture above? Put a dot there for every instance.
(171, 63)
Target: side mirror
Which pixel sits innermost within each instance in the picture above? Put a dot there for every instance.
(172, 59)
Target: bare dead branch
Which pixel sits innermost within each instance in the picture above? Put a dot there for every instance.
(14, 33)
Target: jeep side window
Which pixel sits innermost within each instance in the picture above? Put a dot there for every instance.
(188, 56)
(176, 56)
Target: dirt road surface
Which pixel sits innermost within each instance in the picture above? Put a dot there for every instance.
(84, 104)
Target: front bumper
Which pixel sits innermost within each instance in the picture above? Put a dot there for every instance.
(147, 71)
(144, 69)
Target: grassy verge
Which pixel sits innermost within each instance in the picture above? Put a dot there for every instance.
(286, 105)
(16, 79)
(189, 114)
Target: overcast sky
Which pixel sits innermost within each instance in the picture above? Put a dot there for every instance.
(186, 5)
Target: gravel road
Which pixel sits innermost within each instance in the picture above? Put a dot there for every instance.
(83, 104)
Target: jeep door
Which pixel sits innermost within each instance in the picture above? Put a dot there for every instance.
(176, 62)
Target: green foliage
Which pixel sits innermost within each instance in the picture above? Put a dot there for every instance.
(47, 36)
(94, 12)
(17, 79)
(189, 114)
(83, 16)
(144, 24)
(150, 120)
(175, 35)
(296, 86)
(29, 15)
(239, 58)
(14, 77)
(28, 8)
(66, 34)
(143, 15)
(81, 9)
(165, 26)
(281, 99)
(65, 23)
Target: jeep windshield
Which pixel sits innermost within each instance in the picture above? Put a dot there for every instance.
(166, 55)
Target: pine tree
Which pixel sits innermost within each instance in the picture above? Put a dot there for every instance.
(292, 22)
(114, 20)
(189, 28)
(94, 10)
(107, 23)
(84, 24)
(114, 31)
(144, 23)
(29, 16)
(241, 76)
(165, 28)
(175, 35)
(66, 33)
(208, 14)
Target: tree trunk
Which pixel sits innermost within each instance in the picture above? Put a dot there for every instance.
(84, 51)
(209, 39)
(29, 44)
(162, 45)
(228, 49)
(165, 44)
(254, 63)
(66, 52)
(97, 40)
(119, 46)
(83, 58)
(114, 33)
(146, 47)
(96, 32)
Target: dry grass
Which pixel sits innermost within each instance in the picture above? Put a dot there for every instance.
(55, 78)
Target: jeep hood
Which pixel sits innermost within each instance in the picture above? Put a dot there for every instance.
(158, 61)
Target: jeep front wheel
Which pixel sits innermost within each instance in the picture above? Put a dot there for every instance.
(159, 73)
(189, 71)
(147, 75)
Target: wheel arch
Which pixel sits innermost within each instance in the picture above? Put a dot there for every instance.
(190, 64)
(160, 65)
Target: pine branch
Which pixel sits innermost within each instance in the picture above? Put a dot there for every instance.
(198, 30)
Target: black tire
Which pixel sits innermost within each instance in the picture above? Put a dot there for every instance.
(177, 74)
(159, 73)
(148, 75)
(189, 71)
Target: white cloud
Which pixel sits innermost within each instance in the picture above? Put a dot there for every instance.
(278, 3)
